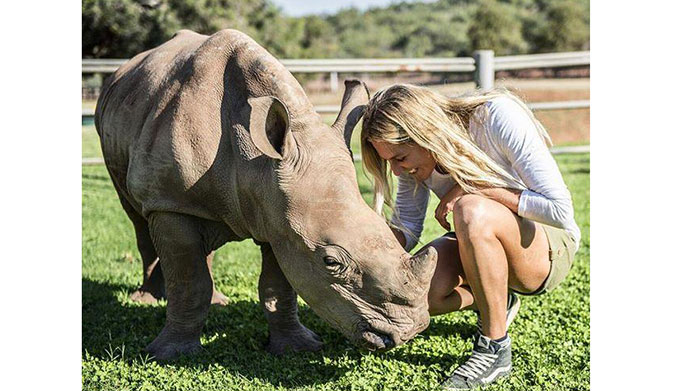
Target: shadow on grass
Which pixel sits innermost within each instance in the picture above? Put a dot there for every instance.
(95, 177)
(580, 171)
(456, 327)
(461, 328)
(234, 338)
(114, 328)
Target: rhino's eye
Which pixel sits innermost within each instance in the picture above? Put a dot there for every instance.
(331, 261)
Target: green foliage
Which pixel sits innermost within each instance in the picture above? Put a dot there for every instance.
(551, 333)
(123, 28)
(106, 23)
(564, 26)
(496, 26)
(318, 39)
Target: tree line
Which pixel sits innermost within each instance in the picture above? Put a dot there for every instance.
(445, 28)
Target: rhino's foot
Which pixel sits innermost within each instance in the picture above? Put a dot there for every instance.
(300, 340)
(146, 296)
(163, 348)
(219, 299)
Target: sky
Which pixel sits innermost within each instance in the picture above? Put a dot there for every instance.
(304, 7)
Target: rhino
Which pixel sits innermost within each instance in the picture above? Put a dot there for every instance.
(210, 140)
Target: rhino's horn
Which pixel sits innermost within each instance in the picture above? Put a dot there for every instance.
(354, 102)
(423, 264)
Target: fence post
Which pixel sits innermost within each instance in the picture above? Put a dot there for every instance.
(333, 81)
(485, 69)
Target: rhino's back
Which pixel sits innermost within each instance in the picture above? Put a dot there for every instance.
(159, 120)
(173, 124)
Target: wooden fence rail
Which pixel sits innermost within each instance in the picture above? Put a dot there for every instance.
(88, 114)
(483, 63)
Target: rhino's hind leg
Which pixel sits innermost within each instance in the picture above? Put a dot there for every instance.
(152, 288)
(279, 302)
(217, 298)
(179, 241)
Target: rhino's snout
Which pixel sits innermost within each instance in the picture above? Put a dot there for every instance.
(385, 338)
(376, 341)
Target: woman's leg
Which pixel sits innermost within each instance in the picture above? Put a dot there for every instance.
(498, 250)
(449, 290)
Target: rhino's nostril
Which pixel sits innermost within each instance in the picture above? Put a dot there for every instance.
(388, 342)
(377, 340)
(373, 341)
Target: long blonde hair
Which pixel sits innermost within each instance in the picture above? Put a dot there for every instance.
(404, 113)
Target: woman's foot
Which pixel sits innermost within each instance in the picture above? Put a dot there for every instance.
(489, 361)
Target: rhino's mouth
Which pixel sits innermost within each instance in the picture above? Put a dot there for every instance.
(377, 340)
(379, 336)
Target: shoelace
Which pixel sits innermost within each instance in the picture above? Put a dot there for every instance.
(476, 364)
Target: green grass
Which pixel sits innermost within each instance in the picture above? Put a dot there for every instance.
(551, 335)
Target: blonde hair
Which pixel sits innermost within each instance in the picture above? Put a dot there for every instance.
(405, 113)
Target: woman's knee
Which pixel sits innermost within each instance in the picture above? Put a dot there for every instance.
(472, 218)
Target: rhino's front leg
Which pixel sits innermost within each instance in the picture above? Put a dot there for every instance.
(179, 242)
(279, 302)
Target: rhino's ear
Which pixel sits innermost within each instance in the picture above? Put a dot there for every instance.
(354, 103)
(270, 126)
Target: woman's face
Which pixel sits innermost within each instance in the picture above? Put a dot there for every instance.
(407, 157)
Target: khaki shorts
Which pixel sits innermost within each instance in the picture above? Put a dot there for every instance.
(561, 251)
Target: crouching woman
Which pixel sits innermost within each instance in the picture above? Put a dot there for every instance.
(486, 157)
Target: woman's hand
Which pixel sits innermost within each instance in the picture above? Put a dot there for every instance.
(447, 204)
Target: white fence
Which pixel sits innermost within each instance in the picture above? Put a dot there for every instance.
(535, 106)
(483, 63)
(362, 65)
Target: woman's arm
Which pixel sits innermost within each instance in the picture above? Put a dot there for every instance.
(411, 206)
(507, 197)
(546, 199)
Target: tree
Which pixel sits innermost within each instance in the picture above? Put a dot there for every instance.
(123, 28)
(112, 28)
(564, 27)
(319, 38)
(495, 26)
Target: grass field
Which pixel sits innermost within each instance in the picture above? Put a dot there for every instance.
(551, 335)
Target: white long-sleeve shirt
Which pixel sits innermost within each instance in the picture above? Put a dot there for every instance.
(508, 135)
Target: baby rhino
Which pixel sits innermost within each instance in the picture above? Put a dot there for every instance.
(209, 139)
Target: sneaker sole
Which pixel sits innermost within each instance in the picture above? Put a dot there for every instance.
(514, 311)
(498, 377)
(509, 315)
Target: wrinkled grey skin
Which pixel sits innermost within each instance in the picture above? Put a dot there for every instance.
(210, 140)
